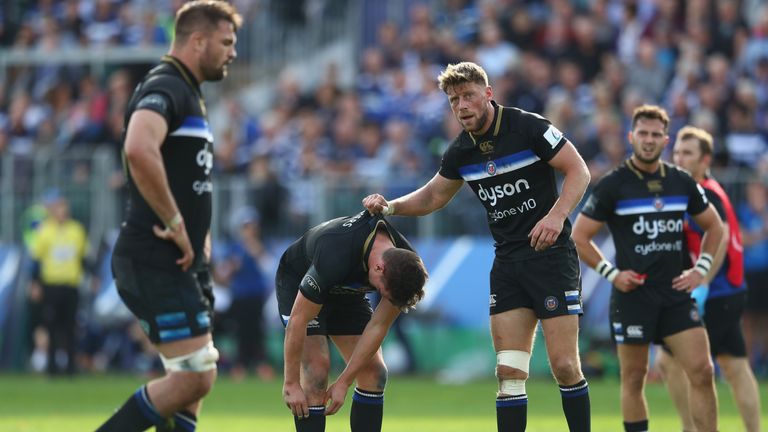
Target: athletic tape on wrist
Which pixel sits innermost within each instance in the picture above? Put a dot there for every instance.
(703, 264)
(174, 222)
(607, 270)
(388, 209)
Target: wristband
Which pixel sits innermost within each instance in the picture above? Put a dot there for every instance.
(703, 264)
(388, 210)
(607, 270)
(174, 222)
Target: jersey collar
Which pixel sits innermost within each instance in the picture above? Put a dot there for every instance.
(188, 76)
(368, 245)
(662, 171)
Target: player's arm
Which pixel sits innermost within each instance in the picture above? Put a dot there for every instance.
(144, 136)
(295, 332)
(370, 342)
(568, 161)
(584, 230)
(434, 195)
(710, 222)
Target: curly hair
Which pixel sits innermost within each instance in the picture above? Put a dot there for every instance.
(460, 73)
(404, 276)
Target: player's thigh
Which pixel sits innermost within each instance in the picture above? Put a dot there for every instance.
(561, 335)
(691, 348)
(513, 330)
(169, 303)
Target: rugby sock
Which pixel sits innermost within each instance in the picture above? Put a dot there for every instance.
(136, 414)
(183, 421)
(314, 423)
(638, 426)
(576, 406)
(512, 413)
(367, 411)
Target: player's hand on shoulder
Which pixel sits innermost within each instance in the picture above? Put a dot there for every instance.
(336, 394)
(178, 234)
(296, 400)
(375, 203)
(628, 280)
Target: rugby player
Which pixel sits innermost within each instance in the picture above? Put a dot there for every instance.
(644, 202)
(508, 157)
(321, 283)
(161, 257)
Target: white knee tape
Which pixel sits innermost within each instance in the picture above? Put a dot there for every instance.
(201, 360)
(515, 359)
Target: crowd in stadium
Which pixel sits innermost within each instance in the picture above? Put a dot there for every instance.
(583, 64)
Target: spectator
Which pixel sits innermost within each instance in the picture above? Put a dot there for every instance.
(242, 268)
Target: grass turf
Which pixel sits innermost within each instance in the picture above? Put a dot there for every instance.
(36, 404)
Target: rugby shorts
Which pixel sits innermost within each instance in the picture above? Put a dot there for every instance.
(550, 285)
(642, 317)
(170, 304)
(722, 318)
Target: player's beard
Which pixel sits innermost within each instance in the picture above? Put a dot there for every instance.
(480, 123)
(214, 73)
(650, 160)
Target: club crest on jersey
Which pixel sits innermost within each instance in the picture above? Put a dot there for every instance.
(658, 203)
(550, 303)
(486, 147)
(490, 168)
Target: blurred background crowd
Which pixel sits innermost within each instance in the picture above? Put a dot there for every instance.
(332, 99)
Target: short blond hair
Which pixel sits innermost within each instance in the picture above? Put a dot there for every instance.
(706, 143)
(651, 112)
(460, 73)
(203, 15)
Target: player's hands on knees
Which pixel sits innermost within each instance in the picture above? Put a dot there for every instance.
(687, 281)
(296, 400)
(336, 394)
(546, 232)
(375, 203)
(628, 280)
(178, 235)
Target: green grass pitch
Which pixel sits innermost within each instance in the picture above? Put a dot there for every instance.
(36, 404)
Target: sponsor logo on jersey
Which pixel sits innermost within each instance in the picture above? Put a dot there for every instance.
(525, 206)
(553, 136)
(655, 186)
(486, 147)
(490, 168)
(635, 331)
(201, 187)
(353, 219)
(492, 194)
(550, 303)
(652, 228)
(204, 159)
(311, 282)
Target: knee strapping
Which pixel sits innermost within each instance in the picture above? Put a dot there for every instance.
(519, 360)
(201, 360)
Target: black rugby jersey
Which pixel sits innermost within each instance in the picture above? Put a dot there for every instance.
(645, 214)
(335, 255)
(507, 169)
(171, 90)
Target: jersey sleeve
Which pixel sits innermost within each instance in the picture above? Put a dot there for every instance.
(449, 165)
(164, 95)
(697, 198)
(717, 203)
(600, 204)
(312, 286)
(544, 138)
